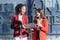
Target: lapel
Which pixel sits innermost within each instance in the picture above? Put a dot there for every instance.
(23, 18)
(16, 17)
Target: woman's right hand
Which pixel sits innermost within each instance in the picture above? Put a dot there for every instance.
(31, 29)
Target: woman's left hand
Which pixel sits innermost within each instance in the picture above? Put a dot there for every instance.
(24, 26)
(39, 23)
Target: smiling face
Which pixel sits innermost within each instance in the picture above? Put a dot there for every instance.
(37, 14)
(23, 10)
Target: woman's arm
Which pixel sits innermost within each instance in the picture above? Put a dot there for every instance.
(26, 22)
(12, 22)
(44, 27)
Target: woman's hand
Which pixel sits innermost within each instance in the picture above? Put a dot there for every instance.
(39, 23)
(31, 28)
(24, 26)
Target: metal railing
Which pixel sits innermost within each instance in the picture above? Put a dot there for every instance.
(9, 36)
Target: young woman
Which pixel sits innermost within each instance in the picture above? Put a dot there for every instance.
(41, 25)
(19, 16)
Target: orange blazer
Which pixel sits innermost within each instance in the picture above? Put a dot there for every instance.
(17, 29)
(42, 31)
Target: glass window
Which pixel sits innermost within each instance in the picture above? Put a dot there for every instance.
(6, 11)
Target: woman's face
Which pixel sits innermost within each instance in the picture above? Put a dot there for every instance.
(37, 14)
(23, 10)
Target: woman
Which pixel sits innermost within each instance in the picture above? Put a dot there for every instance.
(19, 16)
(41, 25)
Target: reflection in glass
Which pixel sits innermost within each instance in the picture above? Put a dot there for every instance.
(8, 7)
(0, 7)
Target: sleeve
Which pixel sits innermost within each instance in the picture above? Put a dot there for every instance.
(45, 26)
(26, 22)
(12, 22)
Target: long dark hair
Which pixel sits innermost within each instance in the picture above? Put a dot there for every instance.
(18, 7)
(41, 14)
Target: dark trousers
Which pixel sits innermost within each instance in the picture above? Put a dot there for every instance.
(37, 35)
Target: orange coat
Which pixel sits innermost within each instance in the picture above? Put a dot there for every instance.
(42, 31)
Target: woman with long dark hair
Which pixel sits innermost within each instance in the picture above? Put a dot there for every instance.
(41, 25)
(19, 18)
